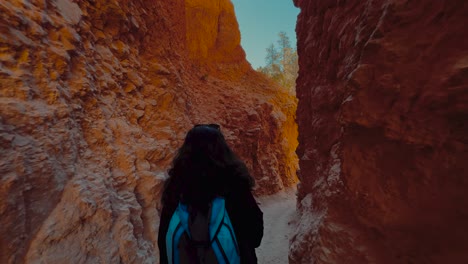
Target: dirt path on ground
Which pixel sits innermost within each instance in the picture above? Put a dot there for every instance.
(278, 212)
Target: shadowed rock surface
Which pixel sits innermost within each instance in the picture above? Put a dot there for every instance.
(96, 96)
(382, 115)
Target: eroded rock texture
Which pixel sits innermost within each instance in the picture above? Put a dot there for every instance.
(382, 117)
(95, 98)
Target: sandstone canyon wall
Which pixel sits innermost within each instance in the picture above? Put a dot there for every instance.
(96, 96)
(382, 116)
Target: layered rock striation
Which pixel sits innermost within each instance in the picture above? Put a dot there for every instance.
(95, 98)
(382, 115)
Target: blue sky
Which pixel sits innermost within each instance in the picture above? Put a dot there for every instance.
(260, 21)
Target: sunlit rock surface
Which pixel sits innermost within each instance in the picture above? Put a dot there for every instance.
(382, 115)
(96, 96)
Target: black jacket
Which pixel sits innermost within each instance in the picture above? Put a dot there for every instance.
(245, 215)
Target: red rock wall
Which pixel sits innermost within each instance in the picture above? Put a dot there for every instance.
(95, 97)
(382, 115)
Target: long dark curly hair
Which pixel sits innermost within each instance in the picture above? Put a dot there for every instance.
(203, 168)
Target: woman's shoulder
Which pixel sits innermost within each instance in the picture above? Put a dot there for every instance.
(240, 177)
(239, 181)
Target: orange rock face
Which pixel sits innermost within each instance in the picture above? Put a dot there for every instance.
(213, 32)
(96, 96)
(382, 114)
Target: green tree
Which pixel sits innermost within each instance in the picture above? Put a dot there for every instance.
(281, 64)
(285, 49)
(273, 56)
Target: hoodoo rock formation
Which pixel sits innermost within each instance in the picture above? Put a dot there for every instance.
(96, 96)
(382, 116)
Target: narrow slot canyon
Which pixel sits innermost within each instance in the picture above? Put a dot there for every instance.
(366, 164)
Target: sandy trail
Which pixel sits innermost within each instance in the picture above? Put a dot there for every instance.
(278, 212)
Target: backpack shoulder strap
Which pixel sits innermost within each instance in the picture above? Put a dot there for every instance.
(177, 226)
(217, 215)
(223, 239)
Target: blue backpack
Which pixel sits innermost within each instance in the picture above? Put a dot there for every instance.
(194, 237)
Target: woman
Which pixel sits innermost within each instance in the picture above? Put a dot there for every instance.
(204, 168)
